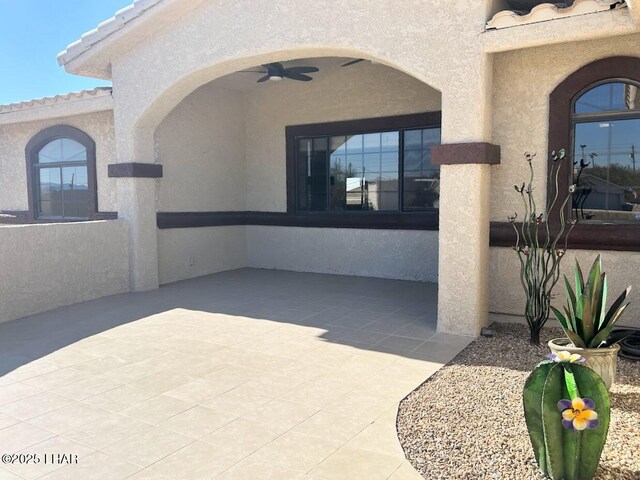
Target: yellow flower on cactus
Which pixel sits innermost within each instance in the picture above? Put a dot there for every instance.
(578, 414)
(566, 357)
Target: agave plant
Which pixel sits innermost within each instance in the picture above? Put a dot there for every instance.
(584, 320)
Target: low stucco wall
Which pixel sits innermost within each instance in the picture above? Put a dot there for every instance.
(193, 252)
(52, 265)
(405, 255)
(15, 136)
(507, 295)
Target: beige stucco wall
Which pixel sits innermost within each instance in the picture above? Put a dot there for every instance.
(194, 252)
(364, 90)
(14, 138)
(51, 265)
(406, 255)
(201, 145)
(523, 81)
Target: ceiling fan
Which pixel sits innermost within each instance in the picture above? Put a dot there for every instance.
(276, 72)
(352, 62)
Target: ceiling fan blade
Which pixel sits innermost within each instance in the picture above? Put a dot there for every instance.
(301, 70)
(250, 71)
(264, 79)
(298, 76)
(352, 62)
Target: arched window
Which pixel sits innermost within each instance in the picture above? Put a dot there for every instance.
(605, 124)
(61, 169)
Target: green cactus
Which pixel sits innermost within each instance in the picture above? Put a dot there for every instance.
(559, 400)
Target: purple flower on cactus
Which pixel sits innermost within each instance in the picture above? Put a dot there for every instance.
(566, 357)
(578, 414)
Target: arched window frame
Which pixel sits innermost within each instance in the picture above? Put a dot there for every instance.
(32, 150)
(561, 123)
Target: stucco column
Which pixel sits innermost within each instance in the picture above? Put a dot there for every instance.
(136, 187)
(465, 187)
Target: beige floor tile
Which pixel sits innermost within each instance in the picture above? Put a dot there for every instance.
(106, 431)
(148, 447)
(7, 421)
(296, 451)
(20, 436)
(30, 370)
(7, 475)
(16, 391)
(197, 422)
(197, 461)
(380, 437)
(406, 472)
(68, 418)
(162, 381)
(131, 372)
(100, 364)
(119, 398)
(239, 401)
(354, 464)
(250, 469)
(198, 391)
(319, 392)
(87, 388)
(68, 356)
(273, 385)
(244, 434)
(329, 426)
(54, 445)
(96, 466)
(282, 413)
(58, 378)
(232, 376)
(364, 405)
(35, 405)
(147, 474)
(157, 409)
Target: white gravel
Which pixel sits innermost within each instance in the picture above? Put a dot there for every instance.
(466, 421)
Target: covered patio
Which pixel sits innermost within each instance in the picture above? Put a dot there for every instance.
(242, 374)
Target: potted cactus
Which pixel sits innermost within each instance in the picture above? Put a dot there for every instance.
(566, 408)
(589, 325)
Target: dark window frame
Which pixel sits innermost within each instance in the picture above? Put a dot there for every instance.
(427, 220)
(32, 149)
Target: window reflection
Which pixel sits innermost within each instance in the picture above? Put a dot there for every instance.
(362, 172)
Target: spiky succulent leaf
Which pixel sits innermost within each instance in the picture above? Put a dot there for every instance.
(606, 331)
(587, 332)
(616, 305)
(561, 318)
(571, 296)
(618, 336)
(603, 302)
(579, 279)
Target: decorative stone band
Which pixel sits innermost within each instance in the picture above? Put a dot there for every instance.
(461, 153)
(135, 170)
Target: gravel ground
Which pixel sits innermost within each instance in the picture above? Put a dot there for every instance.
(466, 421)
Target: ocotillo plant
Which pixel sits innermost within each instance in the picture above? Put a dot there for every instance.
(566, 408)
(539, 249)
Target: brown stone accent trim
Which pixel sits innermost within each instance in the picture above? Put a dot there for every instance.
(386, 221)
(135, 170)
(585, 236)
(25, 218)
(463, 153)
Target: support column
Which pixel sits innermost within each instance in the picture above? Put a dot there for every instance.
(465, 188)
(136, 187)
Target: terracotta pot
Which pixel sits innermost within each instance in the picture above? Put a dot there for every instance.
(603, 361)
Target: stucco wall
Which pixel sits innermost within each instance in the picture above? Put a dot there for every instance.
(523, 81)
(202, 149)
(364, 90)
(194, 252)
(51, 265)
(406, 255)
(14, 138)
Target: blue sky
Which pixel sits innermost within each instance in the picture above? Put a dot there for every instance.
(33, 32)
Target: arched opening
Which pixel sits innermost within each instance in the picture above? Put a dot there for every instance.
(328, 175)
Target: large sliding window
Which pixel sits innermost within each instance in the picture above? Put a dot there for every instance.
(377, 165)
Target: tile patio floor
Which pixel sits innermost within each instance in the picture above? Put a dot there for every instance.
(248, 374)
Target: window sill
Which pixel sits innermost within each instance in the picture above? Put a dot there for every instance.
(26, 218)
(585, 236)
(378, 220)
